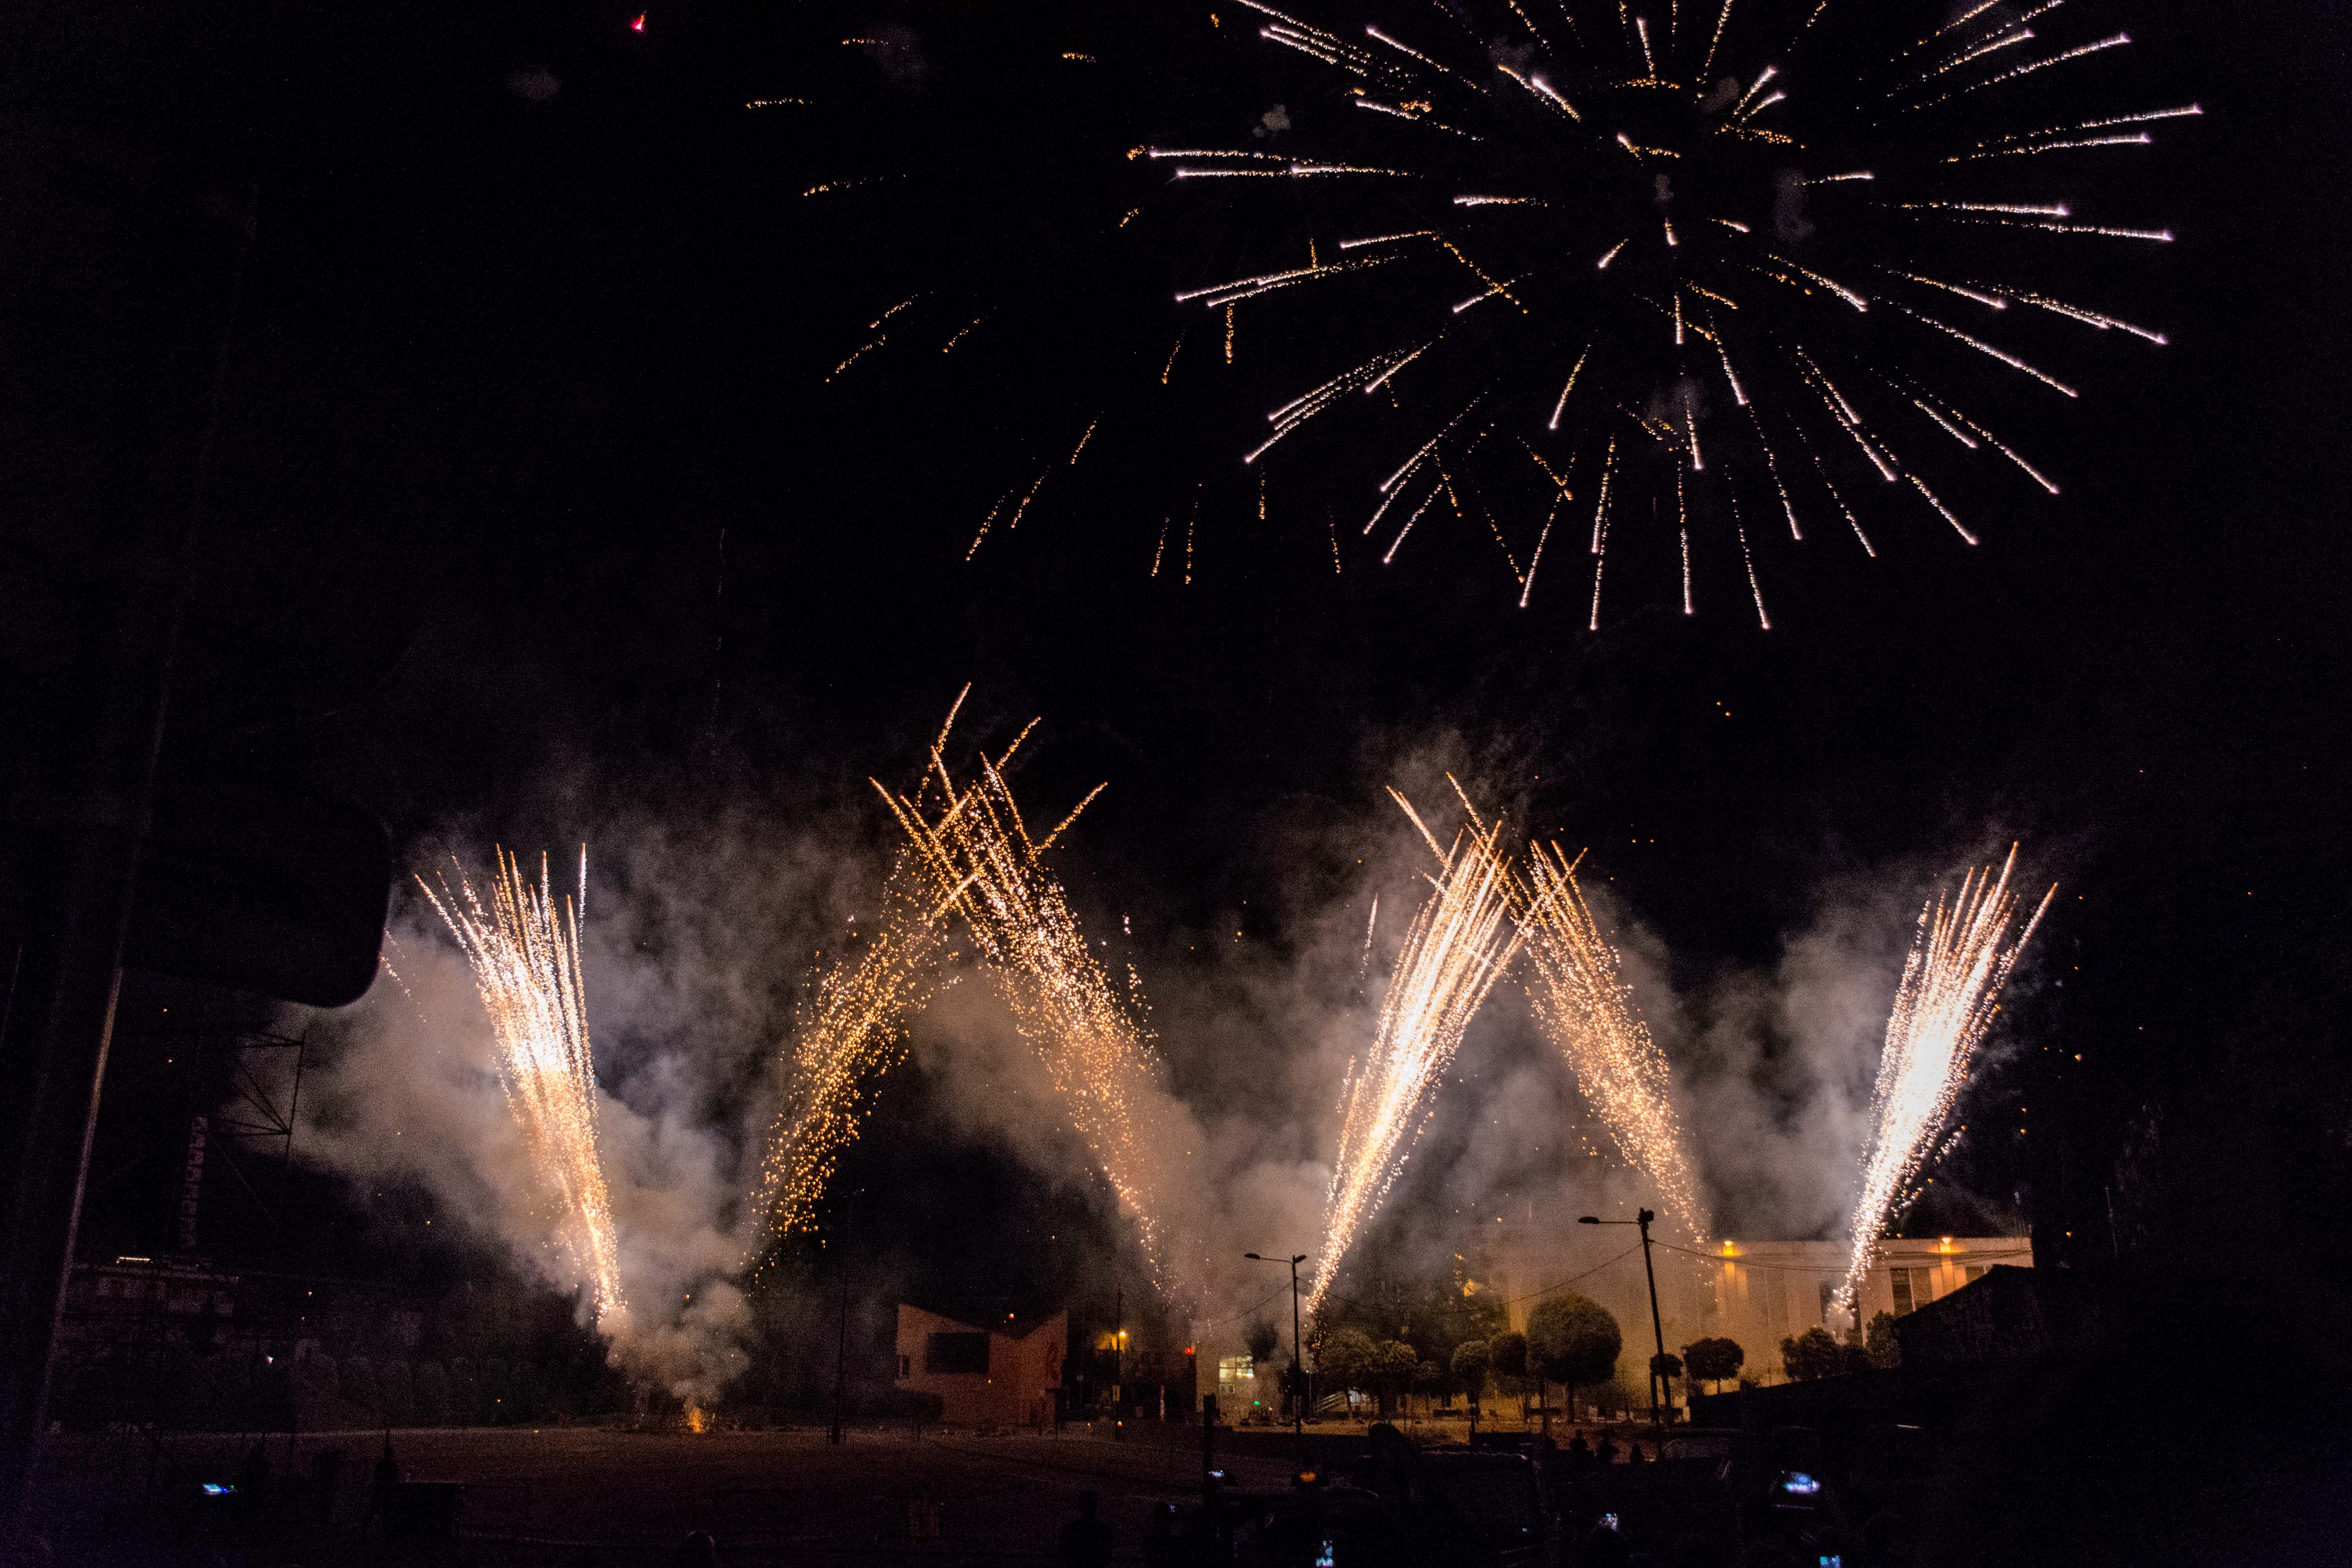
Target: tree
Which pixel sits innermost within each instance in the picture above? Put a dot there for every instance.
(1816, 1353)
(432, 1395)
(1880, 1343)
(1347, 1359)
(1507, 1353)
(465, 1392)
(1472, 1358)
(1262, 1340)
(497, 1391)
(1713, 1359)
(393, 1394)
(1573, 1339)
(359, 1384)
(1394, 1363)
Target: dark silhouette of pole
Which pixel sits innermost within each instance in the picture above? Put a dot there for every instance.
(1658, 1362)
(1118, 1362)
(1297, 1361)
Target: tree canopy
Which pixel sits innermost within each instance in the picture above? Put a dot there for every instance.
(1573, 1339)
(1713, 1359)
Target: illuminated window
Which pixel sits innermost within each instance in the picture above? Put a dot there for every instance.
(1233, 1368)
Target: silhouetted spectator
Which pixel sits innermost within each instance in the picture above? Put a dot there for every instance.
(1607, 1452)
(697, 1550)
(1085, 1541)
(1580, 1452)
(1634, 1453)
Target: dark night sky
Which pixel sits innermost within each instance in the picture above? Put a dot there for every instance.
(511, 369)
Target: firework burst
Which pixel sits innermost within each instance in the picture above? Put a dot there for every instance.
(1459, 944)
(1589, 1014)
(1683, 297)
(525, 954)
(1745, 273)
(1947, 997)
(982, 863)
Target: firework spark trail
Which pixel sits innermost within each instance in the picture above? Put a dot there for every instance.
(525, 954)
(852, 1030)
(1947, 997)
(978, 856)
(1457, 949)
(1588, 1012)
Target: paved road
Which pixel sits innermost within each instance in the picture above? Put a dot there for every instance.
(552, 1494)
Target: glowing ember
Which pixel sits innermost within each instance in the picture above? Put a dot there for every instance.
(1586, 1010)
(1949, 992)
(1458, 946)
(526, 959)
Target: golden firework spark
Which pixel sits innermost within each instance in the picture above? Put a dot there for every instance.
(982, 863)
(1460, 942)
(1949, 992)
(525, 954)
(1588, 1012)
(852, 1030)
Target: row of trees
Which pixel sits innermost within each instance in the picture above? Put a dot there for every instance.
(463, 1393)
(1817, 1352)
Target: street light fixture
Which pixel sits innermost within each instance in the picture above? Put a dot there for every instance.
(1657, 1373)
(1297, 1364)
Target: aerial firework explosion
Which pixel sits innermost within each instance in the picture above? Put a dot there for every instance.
(525, 954)
(1949, 992)
(852, 1030)
(1458, 946)
(1591, 271)
(1589, 1014)
(982, 863)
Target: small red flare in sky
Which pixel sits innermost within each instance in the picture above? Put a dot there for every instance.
(639, 24)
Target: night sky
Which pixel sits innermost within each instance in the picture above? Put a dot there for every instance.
(533, 499)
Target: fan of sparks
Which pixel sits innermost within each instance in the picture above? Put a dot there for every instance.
(981, 862)
(1616, 274)
(525, 954)
(1589, 1014)
(1949, 992)
(851, 1029)
(1458, 946)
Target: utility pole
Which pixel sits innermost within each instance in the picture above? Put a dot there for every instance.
(1118, 1361)
(1657, 1364)
(1298, 1362)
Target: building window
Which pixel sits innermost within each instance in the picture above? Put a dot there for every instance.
(1923, 1286)
(956, 1354)
(1233, 1368)
(1902, 1280)
(1828, 1289)
(905, 1366)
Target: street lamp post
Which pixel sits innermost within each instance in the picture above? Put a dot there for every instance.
(1657, 1328)
(1297, 1364)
